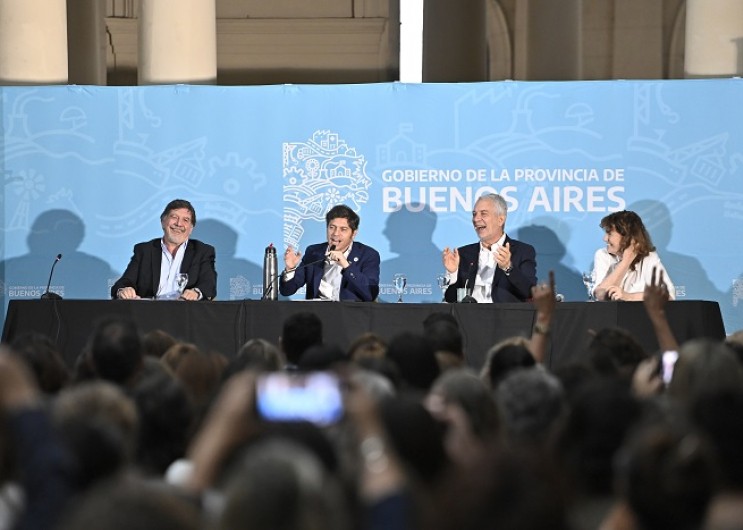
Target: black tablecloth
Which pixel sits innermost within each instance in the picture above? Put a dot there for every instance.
(225, 326)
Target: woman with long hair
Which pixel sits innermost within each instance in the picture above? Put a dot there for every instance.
(624, 267)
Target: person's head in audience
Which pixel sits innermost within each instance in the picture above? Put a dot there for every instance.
(156, 342)
(384, 367)
(322, 357)
(377, 385)
(255, 354)
(465, 403)
(602, 413)
(99, 425)
(615, 352)
(532, 406)
(116, 350)
(717, 414)
(300, 331)
(704, 365)
(510, 489)
(83, 369)
(200, 373)
(417, 437)
(666, 474)
(447, 342)
(133, 503)
(504, 357)
(439, 316)
(735, 343)
(280, 484)
(166, 417)
(415, 359)
(44, 360)
(573, 375)
(367, 345)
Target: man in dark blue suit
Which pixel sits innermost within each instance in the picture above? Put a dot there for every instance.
(498, 268)
(341, 269)
(155, 266)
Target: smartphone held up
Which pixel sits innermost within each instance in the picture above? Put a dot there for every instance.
(285, 396)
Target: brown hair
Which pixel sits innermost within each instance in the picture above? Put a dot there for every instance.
(629, 225)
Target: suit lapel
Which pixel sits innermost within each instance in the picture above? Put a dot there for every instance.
(157, 258)
(355, 253)
(318, 269)
(498, 272)
(187, 257)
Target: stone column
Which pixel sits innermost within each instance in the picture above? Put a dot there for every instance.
(714, 38)
(177, 42)
(33, 42)
(454, 41)
(549, 48)
(87, 42)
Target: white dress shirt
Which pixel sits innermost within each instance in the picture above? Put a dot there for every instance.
(486, 265)
(330, 284)
(170, 267)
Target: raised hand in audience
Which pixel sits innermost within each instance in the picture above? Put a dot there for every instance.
(380, 473)
(544, 300)
(655, 298)
(646, 380)
(230, 423)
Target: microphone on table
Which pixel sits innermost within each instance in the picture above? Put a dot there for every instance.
(468, 298)
(48, 295)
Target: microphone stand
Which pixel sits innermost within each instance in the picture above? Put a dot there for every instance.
(468, 298)
(48, 295)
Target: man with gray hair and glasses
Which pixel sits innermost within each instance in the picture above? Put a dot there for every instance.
(497, 268)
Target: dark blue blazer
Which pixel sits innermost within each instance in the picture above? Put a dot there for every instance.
(143, 271)
(359, 281)
(516, 287)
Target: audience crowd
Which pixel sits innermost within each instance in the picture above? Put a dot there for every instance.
(147, 432)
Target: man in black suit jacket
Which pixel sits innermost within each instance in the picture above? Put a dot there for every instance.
(498, 268)
(155, 264)
(341, 269)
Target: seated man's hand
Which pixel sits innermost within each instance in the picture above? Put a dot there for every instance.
(190, 295)
(292, 258)
(451, 259)
(127, 293)
(502, 256)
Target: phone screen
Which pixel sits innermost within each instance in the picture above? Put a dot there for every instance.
(315, 397)
(668, 361)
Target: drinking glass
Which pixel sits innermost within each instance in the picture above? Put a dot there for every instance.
(443, 283)
(589, 280)
(181, 281)
(400, 281)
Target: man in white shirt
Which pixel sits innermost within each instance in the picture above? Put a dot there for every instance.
(497, 268)
(155, 267)
(341, 269)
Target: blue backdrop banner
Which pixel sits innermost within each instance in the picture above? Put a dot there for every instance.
(87, 171)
